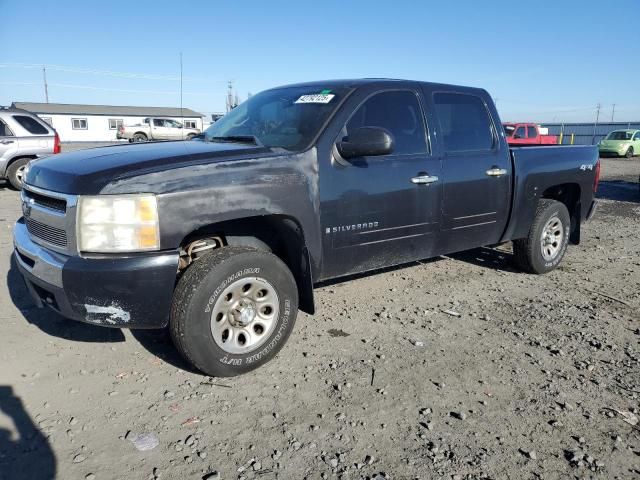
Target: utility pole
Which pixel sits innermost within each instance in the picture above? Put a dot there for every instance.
(230, 104)
(595, 125)
(46, 87)
(613, 111)
(181, 114)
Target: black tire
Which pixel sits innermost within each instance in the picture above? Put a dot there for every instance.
(14, 172)
(629, 153)
(140, 137)
(198, 294)
(529, 253)
(190, 136)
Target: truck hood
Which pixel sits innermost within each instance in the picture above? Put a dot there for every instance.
(87, 172)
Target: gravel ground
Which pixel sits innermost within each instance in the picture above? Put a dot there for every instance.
(458, 367)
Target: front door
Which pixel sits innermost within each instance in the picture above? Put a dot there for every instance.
(381, 210)
(476, 170)
(636, 143)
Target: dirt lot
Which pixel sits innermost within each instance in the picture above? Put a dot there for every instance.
(524, 377)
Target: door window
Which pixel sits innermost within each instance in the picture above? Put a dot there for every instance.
(158, 122)
(464, 122)
(398, 112)
(520, 133)
(636, 137)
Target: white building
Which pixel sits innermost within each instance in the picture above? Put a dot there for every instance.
(99, 123)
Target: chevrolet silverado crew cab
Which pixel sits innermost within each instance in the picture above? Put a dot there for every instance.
(223, 238)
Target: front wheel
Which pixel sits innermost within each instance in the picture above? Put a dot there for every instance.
(629, 153)
(547, 241)
(233, 310)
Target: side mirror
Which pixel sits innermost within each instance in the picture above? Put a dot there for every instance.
(366, 142)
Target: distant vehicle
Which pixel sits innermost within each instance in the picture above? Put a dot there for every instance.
(23, 137)
(620, 143)
(528, 134)
(223, 237)
(156, 129)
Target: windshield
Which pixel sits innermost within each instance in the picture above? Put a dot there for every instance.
(286, 117)
(619, 135)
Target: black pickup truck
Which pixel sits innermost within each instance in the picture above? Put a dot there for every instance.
(224, 237)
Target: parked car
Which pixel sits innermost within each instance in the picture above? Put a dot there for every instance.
(23, 137)
(224, 237)
(620, 143)
(528, 134)
(156, 129)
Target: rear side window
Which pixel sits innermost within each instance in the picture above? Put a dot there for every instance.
(31, 125)
(532, 132)
(4, 130)
(464, 122)
(400, 113)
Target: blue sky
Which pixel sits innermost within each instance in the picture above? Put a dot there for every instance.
(542, 60)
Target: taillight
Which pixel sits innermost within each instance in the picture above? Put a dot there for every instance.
(597, 179)
(57, 148)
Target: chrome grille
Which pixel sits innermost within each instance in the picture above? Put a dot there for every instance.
(57, 204)
(52, 235)
(50, 218)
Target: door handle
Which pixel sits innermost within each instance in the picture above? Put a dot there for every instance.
(496, 172)
(424, 179)
(6, 142)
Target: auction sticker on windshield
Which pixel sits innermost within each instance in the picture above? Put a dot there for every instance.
(316, 98)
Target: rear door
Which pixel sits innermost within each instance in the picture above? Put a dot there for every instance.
(532, 134)
(8, 145)
(476, 169)
(158, 129)
(381, 210)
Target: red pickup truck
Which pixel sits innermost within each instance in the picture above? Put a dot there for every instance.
(527, 134)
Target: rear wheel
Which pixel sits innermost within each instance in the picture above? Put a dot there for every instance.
(140, 137)
(629, 153)
(233, 310)
(546, 244)
(15, 172)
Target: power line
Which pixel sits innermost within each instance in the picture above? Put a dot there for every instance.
(107, 73)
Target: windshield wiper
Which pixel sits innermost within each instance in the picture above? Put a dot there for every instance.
(238, 139)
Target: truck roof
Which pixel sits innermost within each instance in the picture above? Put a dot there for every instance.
(381, 82)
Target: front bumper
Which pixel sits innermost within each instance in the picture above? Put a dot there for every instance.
(132, 291)
(606, 152)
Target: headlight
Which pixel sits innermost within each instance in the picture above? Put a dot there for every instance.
(118, 223)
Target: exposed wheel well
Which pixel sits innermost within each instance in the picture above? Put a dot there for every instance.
(14, 159)
(569, 194)
(279, 234)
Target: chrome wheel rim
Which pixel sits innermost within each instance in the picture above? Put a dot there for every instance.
(244, 315)
(552, 237)
(20, 173)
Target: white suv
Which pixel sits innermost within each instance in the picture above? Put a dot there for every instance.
(23, 137)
